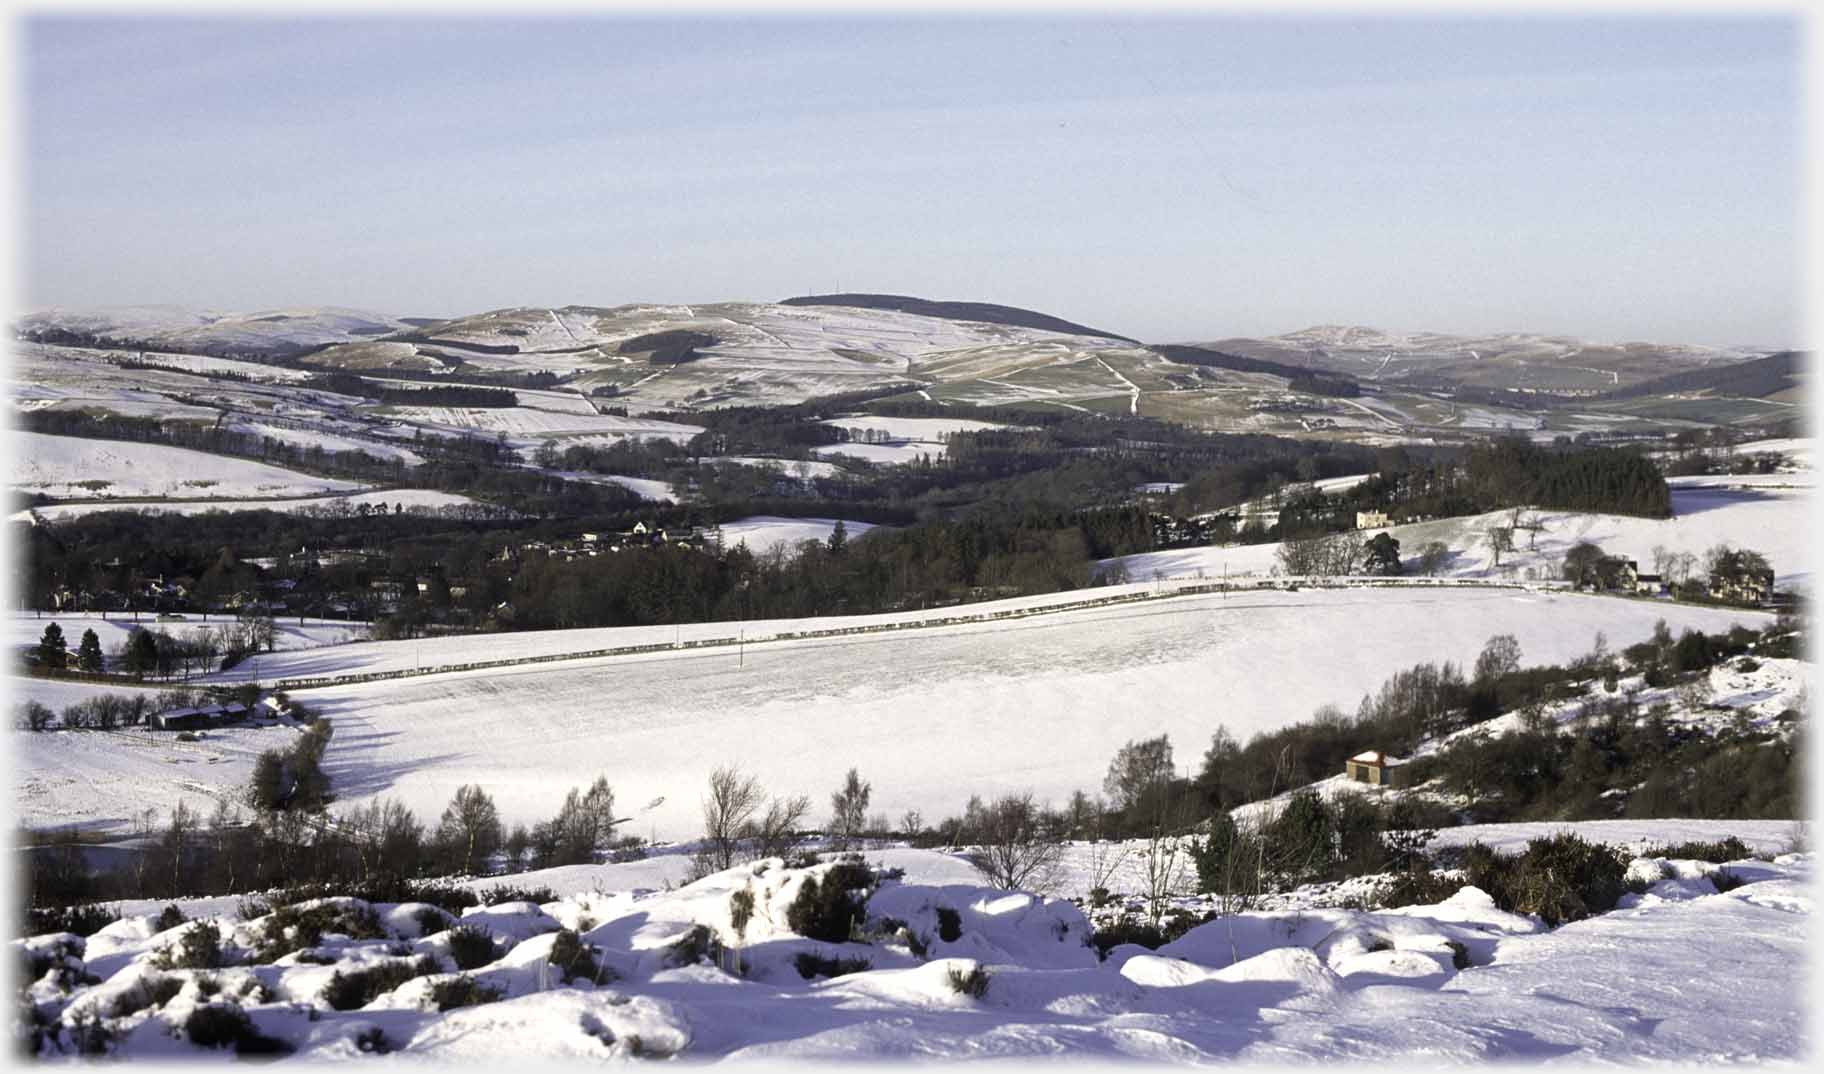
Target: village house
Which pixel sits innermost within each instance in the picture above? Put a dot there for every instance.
(1651, 585)
(1743, 587)
(1372, 520)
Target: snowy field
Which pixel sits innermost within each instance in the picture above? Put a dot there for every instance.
(898, 454)
(1683, 973)
(804, 469)
(523, 421)
(1773, 521)
(931, 715)
(56, 465)
(413, 501)
(763, 533)
(647, 488)
(328, 441)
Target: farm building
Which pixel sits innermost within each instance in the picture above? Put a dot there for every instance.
(1372, 520)
(1376, 768)
(196, 718)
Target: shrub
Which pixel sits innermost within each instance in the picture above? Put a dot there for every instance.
(354, 989)
(949, 925)
(829, 910)
(693, 947)
(372, 1041)
(169, 918)
(1729, 848)
(199, 949)
(472, 947)
(812, 965)
(973, 984)
(573, 957)
(462, 991)
(224, 1026)
(741, 910)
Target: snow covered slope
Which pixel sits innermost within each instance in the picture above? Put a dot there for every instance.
(73, 468)
(1681, 974)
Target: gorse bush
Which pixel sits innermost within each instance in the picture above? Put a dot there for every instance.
(1729, 848)
(829, 909)
(472, 947)
(462, 991)
(225, 1026)
(973, 984)
(811, 965)
(353, 989)
(949, 925)
(81, 920)
(291, 928)
(573, 958)
(1559, 878)
(199, 949)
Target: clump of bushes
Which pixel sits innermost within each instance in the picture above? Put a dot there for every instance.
(1126, 930)
(696, 945)
(472, 947)
(811, 965)
(494, 896)
(1729, 848)
(830, 909)
(741, 910)
(354, 989)
(81, 920)
(291, 928)
(973, 984)
(150, 991)
(169, 918)
(462, 991)
(1559, 878)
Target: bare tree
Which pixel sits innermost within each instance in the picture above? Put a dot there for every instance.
(848, 810)
(1500, 539)
(469, 831)
(1017, 851)
(732, 802)
(772, 836)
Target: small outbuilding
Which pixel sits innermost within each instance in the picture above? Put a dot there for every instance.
(1375, 768)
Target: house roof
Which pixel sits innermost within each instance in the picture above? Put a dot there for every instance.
(1375, 757)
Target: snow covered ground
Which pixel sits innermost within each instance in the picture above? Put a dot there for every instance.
(931, 715)
(59, 465)
(909, 438)
(1682, 973)
(413, 501)
(763, 533)
(1773, 521)
(803, 469)
(328, 441)
(647, 488)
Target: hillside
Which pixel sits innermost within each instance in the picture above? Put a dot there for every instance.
(1775, 376)
(1543, 363)
(264, 333)
(985, 312)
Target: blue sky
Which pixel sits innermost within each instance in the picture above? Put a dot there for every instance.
(1167, 178)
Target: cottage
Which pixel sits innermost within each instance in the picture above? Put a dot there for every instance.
(1372, 520)
(1650, 584)
(184, 719)
(1744, 586)
(1375, 768)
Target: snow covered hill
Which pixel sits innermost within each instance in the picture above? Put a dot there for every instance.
(1682, 973)
(264, 332)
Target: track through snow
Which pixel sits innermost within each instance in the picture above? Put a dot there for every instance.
(931, 716)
